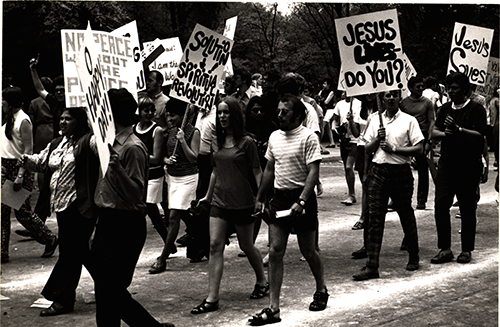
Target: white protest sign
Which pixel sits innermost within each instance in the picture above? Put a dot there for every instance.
(134, 70)
(409, 73)
(492, 82)
(116, 54)
(95, 90)
(168, 62)
(371, 52)
(229, 31)
(470, 50)
(201, 67)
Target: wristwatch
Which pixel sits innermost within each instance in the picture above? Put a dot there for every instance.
(393, 149)
(460, 129)
(301, 203)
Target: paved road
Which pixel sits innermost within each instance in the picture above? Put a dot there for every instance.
(436, 295)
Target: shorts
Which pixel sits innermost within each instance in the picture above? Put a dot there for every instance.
(347, 149)
(360, 159)
(283, 200)
(181, 191)
(240, 217)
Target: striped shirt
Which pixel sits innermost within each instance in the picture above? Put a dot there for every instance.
(291, 152)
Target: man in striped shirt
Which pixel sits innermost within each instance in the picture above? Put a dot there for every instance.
(293, 158)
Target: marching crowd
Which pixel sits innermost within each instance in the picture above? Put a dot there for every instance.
(254, 156)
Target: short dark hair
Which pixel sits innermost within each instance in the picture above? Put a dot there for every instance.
(80, 115)
(123, 106)
(59, 80)
(245, 75)
(13, 95)
(460, 78)
(288, 84)
(176, 106)
(414, 80)
(430, 82)
(299, 108)
(158, 76)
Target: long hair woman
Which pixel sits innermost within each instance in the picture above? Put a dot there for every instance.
(235, 159)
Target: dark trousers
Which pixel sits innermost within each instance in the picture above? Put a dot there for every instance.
(117, 245)
(396, 182)
(74, 251)
(423, 178)
(460, 180)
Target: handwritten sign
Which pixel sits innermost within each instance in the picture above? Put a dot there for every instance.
(371, 52)
(168, 62)
(492, 82)
(409, 73)
(118, 55)
(229, 31)
(94, 85)
(470, 50)
(134, 70)
(201, 67)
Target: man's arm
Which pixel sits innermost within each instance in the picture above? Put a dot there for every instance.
(266, 182)
(311, 181)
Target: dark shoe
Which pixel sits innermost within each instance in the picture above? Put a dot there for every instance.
(464, 257)
(167, 324)
(403, 247)
(50, 248)
(56, 309)
(443, 256)
(158, 267)
(413, 263)
(320, 300)
(259, 291)
(421, 206)
(242, 254)
(360, 254)
(205, 307)
(265, 317)
(325, 152)
(366, 273)
(183, 240)
(358, 225)
(24, 233)
(349, 201)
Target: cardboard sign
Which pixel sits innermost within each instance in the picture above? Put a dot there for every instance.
(492, 82)
(118, 55)
(12, 198)
(134, 70)
(371, 52)
(95, 90)
(229, 31)
(201, 68)
(470, 51)
(409, 73)
(167, 62)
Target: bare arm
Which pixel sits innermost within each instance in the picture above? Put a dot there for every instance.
(36, 80)
(158, 143)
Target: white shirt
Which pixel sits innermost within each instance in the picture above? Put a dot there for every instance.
(342, 108)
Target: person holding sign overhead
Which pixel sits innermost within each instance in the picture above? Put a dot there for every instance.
(393, 143)
(182, 147)
(460, 125)
(121, 229)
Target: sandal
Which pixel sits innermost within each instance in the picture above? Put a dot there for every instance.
(205, 307)
(349, 201)
(259, 291)
(158, 267)
(266, 316)
(319, 301)
(358, 225)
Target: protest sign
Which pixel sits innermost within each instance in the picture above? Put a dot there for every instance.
(371, 52)
(492, 82)
(229, 31)
(167, 62)
(94, 86)
(117, 53)
(201, 67)
(135, 70)
(470, 50)
(409, 73)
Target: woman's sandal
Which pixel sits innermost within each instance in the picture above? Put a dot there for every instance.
(205, 307)
(320, 300)
(266, 316)
(158, 267)
(259, 291)
(358, 225)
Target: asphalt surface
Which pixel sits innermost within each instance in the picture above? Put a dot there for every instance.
(450, 294)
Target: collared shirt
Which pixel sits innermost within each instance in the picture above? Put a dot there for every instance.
(291, 152)
(115, 189)
(62, 164)
(401, 130)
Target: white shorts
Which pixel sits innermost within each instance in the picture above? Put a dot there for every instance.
(155, 190)
(181, 191)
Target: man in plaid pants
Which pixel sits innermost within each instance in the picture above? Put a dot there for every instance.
(392, 140)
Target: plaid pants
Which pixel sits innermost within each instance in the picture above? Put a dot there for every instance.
(396, 182)
(24, 215)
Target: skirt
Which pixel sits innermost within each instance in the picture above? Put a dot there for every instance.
(155, 190)
(181, 191)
